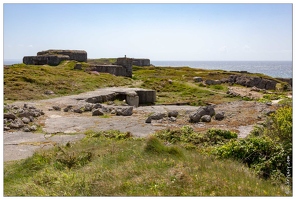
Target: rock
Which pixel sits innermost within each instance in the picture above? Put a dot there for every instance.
(157, 116)
(9, 116)
(110, 102)
(197, 79)
(78, 66)
(212, 82)
(113, 112)
(97, 105)
(172, 119)
(31, 118)
(78, 110)
(97, 112)
(26, 120)
(204, 110)
(170, 81)
(205, 118)
(26, 129)
(33, 128)
(88, 107)
(57, 108)
(173, 113)
(48, 92)
(219, 116)
(17, 123)
(68, 108)
(125, 111)
(6, 128)
(148, 120)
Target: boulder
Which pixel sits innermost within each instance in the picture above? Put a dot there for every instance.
(204, 110)
(125, 111)
(197, 79)
(26, 120)
(219, 116)
(33, 128)
(148, 120)
(88, 107)
(97, 112)
(173, 113)
(9, 116)
(157, 116)
(57, 108)
(78, 110)
(205, 118)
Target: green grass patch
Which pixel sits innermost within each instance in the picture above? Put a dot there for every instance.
(106, 164)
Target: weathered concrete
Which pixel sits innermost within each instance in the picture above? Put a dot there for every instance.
(133, 96)
(54, 57)
(141, 62)
(116, 70)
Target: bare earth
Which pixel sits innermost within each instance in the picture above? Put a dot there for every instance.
(62, 127)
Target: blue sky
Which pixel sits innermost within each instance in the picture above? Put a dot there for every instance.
(202, 32)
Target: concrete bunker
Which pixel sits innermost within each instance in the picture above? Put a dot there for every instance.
(132, 96)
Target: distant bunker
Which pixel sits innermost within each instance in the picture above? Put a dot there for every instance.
(54, 57)
(132, 96)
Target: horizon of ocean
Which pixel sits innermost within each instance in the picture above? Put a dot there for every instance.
(276, 69)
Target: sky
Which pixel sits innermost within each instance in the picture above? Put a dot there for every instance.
(168, 32)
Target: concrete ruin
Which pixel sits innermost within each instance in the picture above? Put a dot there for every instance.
(141, 62)
(132, 96)
(122, 67)
(54, 57)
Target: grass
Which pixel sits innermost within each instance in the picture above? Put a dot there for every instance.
(28, 82)
(174, 85)
(114, 164)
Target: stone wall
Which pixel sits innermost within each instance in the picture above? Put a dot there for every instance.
(141, 62)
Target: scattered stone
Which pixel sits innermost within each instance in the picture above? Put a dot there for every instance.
(88, 107)
(148, 120)
(78, 110)
(6, 128)
(173, 113)
(113, 112)
(125, 111)
(97, 112)
(205, 118)
(26, 120)
(33, 128)
(110, 103)
(97, 105)
(48, 92)
(170, 81)
(57, 108)
(204, 110)
(26, 129)
(157, 116)
(172, 119)
(219, 116)
(197, 79)
(269, 103)
(9, 116)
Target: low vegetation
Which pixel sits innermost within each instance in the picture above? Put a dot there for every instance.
(112, 163)
(172, 162)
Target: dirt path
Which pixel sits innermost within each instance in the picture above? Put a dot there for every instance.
(61, 127)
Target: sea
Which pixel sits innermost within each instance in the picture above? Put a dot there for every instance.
(276, 69)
